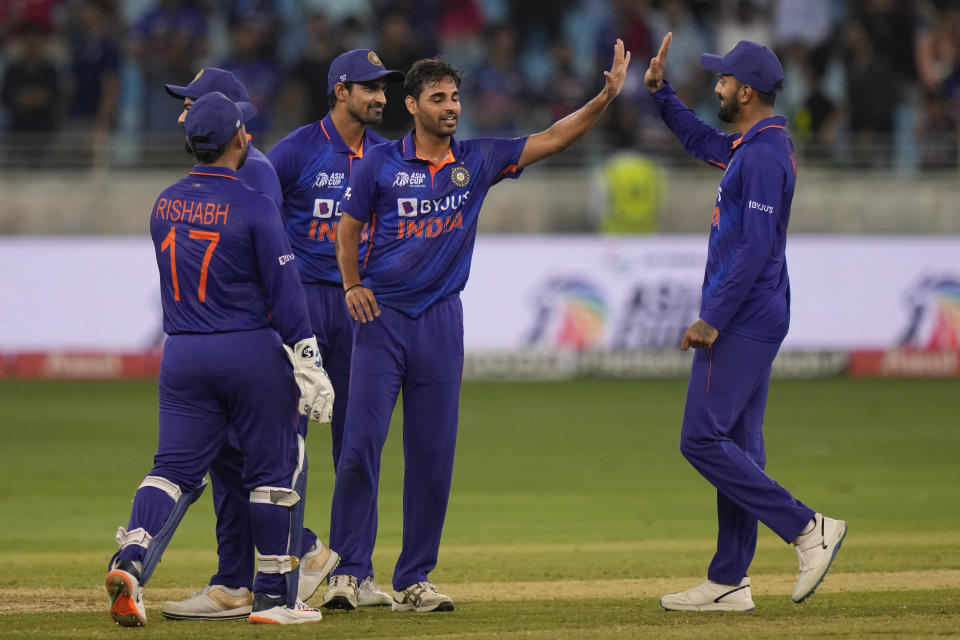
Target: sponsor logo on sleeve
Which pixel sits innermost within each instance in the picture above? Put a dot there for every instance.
(284, 259)
(765, 208)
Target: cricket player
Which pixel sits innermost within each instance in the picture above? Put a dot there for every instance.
(229, 595)
(314, 164)
(418, 200)
(744, 315)
(234, 311)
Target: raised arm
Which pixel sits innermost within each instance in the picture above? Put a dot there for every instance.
(566, 131)
(699, 139)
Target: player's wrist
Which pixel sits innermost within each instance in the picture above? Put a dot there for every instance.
(347, 290)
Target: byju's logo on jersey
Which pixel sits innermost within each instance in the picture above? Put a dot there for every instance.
(329, 179)
(407, 207)
(414, 179)
(325, 208)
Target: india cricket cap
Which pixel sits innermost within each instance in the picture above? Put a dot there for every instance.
(359, 65)
(749, 62)
(211, 79)
(214, 119)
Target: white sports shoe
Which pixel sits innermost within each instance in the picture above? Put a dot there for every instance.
(315, 565)
(126, 596)
(816, 551)
(342, 592)
(372, 596)
(421, 597)
(213, 602)
(274, 610)
(711, 596)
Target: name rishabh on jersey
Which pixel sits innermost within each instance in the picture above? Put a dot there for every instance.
(421, 218)
(314, 166)
(224, 259)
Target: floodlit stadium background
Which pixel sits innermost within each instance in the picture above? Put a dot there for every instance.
(591, 263)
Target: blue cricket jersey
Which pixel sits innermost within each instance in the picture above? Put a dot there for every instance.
(225, 262)
(422, 218)
(259, 174)
(314, 166)
(745, 287)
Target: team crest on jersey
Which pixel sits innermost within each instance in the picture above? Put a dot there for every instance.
(460, 176)
(329, 179)
(374, 59)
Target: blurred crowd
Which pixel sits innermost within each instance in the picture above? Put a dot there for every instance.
(869, 83)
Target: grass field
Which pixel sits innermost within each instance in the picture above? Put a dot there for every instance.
(572, 511)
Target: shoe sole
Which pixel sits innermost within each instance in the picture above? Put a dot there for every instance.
(227, 615)
(443, 606)
(123, 608)
(254, 619)
(339, 602)
(305, 592)
(706, 607)
(833, 555)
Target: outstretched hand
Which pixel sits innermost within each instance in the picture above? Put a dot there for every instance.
(653, 78)
(618, 71)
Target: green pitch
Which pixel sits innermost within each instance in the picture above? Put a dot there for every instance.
(571, 511)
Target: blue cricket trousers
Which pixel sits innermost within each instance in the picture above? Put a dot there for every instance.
(209, 385)
(333, 327)
(722, 437)
(423, 357)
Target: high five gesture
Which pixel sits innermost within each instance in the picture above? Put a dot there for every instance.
(653, 78)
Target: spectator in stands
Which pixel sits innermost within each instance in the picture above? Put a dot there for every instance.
(936, 133)
(399, 49)
(94, 79)
(871, 98)
(497, 90)
(307, 93)
(252, 62)
(167, 41)
(30, 89)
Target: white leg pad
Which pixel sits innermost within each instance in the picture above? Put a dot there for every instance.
(280, 496)
(277, 564)
(171, 489)
(138, 536)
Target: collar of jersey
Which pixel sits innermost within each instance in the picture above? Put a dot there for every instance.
(410, 150)
(331, 134)
(774, 122)
(206, 170)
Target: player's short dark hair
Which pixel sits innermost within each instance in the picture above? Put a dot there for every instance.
(766, 98)
(427, 71)
(206, 156)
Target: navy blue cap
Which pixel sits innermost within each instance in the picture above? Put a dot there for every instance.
(359, 65)
(211, 79)
(214, 119)
(749, 62)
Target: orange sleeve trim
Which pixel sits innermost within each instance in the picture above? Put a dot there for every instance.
(717, 164)
(215, 175)
(511, 169)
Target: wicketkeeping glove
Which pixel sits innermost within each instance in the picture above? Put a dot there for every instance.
(316, 392)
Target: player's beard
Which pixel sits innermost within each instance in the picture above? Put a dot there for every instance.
(366, 115)
(728, 109)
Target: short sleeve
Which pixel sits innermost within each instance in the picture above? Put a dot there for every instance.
(500, 157)
(360, 198)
